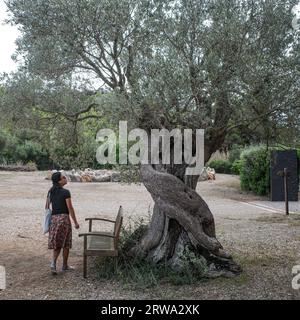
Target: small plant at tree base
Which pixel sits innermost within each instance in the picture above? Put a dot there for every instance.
(140, 273)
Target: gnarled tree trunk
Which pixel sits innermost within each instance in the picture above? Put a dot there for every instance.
(181, 220)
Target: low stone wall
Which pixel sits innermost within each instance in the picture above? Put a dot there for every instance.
(89, 175)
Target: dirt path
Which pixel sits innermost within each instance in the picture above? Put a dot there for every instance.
(266, 244)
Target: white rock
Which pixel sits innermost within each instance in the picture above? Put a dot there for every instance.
(102, 178)
(207, 173)
(115, 177)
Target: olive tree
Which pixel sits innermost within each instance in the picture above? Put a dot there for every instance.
(207, 64)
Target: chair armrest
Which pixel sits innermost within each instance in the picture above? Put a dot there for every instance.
(101, 219)
(96, 234)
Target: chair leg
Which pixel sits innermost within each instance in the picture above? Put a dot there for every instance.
(84, 265)
(116, 264)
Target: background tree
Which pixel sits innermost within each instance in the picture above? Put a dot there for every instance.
(216, 65)
(58, 116)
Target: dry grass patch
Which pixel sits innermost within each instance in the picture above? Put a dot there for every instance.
(259, 260)
(293, 220)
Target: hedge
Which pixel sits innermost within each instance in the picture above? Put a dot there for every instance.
(221, 166)
(255, 169)
(254, 172)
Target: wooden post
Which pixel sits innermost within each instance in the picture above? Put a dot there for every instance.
(84, 265)
(84, 257)
(286, 192)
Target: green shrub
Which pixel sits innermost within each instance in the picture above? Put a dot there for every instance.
(30, 151)
(236, 167)
(8, 150)
(2, 142)
(221, 166)
(235, 153)
(15, 150)
(254, 173)
(254, 168)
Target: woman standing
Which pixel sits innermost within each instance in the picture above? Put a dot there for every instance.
(60, 233)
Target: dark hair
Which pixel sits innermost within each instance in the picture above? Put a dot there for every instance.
(56, 177)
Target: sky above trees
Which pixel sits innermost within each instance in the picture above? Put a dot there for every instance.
(8, 35)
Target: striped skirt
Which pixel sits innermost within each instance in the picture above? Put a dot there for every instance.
(60, 233)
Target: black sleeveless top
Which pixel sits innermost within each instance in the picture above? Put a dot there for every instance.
(58, 201)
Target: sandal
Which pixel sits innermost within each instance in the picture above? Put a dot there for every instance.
(53, 268)
(67, 268)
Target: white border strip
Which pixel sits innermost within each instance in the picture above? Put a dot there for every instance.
(267, 208)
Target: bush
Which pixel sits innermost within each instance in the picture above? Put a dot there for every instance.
(236, 167)
(254, 172)
(14, 150)
(235, 153)
(8, 149)
(254, 168)
(2, 142)
(29, 151)
(74, 157)
(221, 166)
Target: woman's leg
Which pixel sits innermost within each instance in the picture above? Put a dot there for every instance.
(53, 263)
(55, 256)
(65, 257)
(67, 243)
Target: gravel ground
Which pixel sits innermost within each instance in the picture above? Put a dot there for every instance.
(266, 244)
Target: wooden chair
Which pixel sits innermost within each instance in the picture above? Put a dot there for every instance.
(102, 244)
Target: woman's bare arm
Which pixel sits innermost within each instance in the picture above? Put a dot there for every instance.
(47, 205)
(72, 212)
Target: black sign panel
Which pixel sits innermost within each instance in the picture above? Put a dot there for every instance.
(280, 160)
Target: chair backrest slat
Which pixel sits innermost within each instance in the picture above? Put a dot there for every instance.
(118, 225)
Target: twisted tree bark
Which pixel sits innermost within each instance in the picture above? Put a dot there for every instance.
(181, 219)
